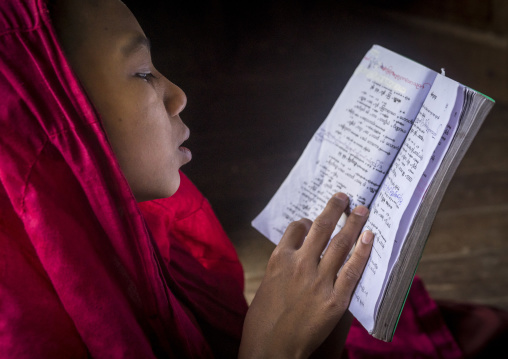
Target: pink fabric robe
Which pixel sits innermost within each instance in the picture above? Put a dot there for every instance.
(80, 273)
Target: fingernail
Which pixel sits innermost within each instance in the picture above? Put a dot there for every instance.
(342, 197)
(367, 237)
(361, 211)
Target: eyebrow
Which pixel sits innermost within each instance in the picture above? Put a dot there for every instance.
(135, 44)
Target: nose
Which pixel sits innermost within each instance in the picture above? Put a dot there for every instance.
(175, 99)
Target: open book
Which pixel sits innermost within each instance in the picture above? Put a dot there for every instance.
(392, 142)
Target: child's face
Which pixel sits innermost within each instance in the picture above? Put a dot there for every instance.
(139, 107)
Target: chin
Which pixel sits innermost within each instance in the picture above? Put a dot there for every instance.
(173, 186)
(167, 189)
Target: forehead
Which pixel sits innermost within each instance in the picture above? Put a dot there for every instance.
(134, 43)
(111, 21)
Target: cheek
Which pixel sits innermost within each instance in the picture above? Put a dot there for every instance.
(157, 140)
(142, 136)
(144, 113)
(140, 133)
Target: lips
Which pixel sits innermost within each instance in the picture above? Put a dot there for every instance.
(185, 150)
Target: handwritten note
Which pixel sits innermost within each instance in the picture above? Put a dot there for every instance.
(398, 190)
(381, 144)
(355, 146)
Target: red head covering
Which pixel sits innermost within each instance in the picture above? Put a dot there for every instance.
(80, 273)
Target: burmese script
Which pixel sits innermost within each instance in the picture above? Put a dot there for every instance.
(381, 144)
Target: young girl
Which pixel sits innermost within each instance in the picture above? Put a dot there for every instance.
(85, 270)
(107, 250)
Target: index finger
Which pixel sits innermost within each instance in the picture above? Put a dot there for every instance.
(352, 271)
(295, 233)
(341, 244)
(324, 225)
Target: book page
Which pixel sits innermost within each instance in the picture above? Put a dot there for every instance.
(355, 146)
(397, 191)
(428, 175)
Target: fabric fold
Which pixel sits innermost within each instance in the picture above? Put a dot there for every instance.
(76, 244)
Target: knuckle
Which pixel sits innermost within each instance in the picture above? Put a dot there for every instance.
(273, 262)
(356, 221)
(352, 228)
(295, 226)
(337, 204)
(299, 265)
(277, 252)
(323, 225)
(362, 256)
(351, 273)
(279, 256)
(277, 265)
(338, 303)
(340, 244)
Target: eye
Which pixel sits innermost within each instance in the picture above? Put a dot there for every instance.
(146, 76)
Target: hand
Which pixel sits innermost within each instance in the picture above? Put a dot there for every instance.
(301, 298)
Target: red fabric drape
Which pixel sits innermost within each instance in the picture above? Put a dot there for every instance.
(86, 271)
(421, 333)
(79, 271)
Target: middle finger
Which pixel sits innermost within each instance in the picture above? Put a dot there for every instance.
(342, 242)
(323, 226)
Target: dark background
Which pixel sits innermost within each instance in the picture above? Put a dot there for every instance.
(261, 76)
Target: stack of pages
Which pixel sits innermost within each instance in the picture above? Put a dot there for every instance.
(392, 142)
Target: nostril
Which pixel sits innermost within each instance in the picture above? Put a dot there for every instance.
(178, 103)
(176, 100)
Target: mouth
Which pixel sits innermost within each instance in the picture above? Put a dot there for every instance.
(185, 150)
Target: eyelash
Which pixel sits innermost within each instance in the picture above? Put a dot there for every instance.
(148, 76)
